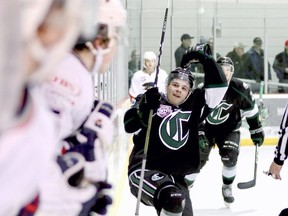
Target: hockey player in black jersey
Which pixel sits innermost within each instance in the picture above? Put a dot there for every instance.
(173, 150)
(221, 127)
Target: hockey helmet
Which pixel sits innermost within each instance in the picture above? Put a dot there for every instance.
(226, 61)
(109, 23)
(149, 55)
(112, 15)
(37, 14)
(183, 74)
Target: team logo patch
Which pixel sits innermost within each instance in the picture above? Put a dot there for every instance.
(164, 110)
(174, 131)
(220, 114)
(157, 176)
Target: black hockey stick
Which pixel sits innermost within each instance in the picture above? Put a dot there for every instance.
(150, 116)
(252, 183)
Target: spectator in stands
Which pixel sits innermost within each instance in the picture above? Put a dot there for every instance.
(256, 56)
(280, 66)
(211, 43)
(240, 60)
(203, 40)
(186, 41)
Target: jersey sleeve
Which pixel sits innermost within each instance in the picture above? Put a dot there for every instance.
(132, 122)
(248, 106)
(135, 87)
(215, 82)
(281, 150)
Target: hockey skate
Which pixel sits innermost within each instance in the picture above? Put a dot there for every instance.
(227, 195)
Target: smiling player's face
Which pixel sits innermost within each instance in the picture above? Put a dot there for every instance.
(177, 91)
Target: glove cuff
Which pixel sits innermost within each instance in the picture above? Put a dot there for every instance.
(278, 162)
(257, 130)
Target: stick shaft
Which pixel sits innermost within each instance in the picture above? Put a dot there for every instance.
(161, 43)
(146, 145)
(252, 183)
(151, 114)
(144, 163)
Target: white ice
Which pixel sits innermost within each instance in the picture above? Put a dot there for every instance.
(267, 198)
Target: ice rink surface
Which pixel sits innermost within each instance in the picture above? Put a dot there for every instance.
(267, 198)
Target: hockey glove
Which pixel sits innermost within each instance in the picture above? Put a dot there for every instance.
(197, 54)
(92, 141)
(103, 199)
(148, 85)
(57, 197)
(100, 121)
(203, 141)
(257, 136)
(204, 147)
(150, 100)
(97, 125)
(72, 166)
(203, 48)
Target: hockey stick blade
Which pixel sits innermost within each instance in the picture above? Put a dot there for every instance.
(246, 185)
(252, 183)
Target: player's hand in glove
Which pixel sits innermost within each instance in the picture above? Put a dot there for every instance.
(100, 121)
(96, 126)
(197, 54)
(72, 166)
(203, 141)
(257, 136)
(103, 199)
(204, 147)
(92, 141)
(203, 48)
(148, 85)
(150, 100)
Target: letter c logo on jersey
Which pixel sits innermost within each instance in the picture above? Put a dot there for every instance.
(174, 131)
(220, 114)
(157, 176)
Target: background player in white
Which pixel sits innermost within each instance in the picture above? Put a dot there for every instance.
(144, 79)
(70, 91)
(28, 150)
(70, 94)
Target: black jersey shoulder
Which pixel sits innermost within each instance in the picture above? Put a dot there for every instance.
(239, 85)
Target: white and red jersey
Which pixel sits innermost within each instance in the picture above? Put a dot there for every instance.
(140, 77)
(26, 152)
(70, 94)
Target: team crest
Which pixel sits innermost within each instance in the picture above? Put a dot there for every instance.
(220, 114)
(174, 131)
(157, 176)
